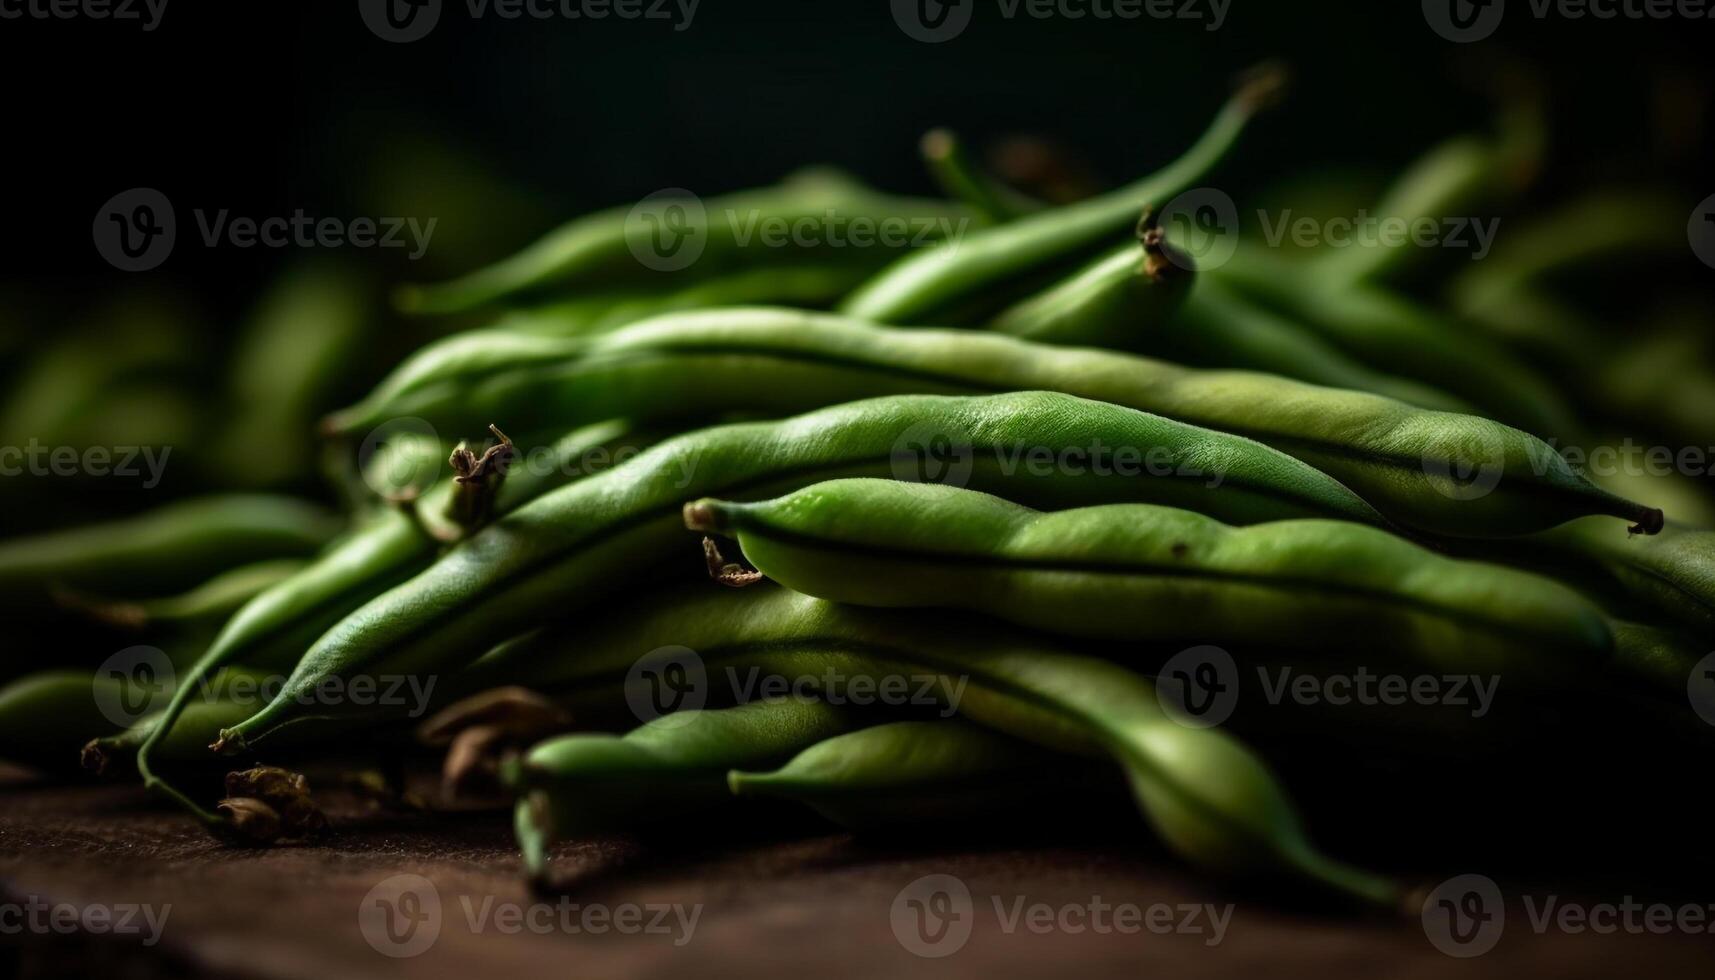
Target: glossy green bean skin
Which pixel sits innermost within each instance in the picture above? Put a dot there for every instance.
(165, 550)
(1672, 573)
(185, 742)
(1218, 327)
(1404, 461)
(1138, 572)
(1116, 301)
(595, 251)
(911, 774)
(927, 286)
(810, 287)
(576, 543)
(664, 771)
(1206, 795)
(1391, 333)
(275, 627)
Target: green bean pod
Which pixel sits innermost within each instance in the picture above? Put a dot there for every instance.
(913, 774)
(1118, 301)
(1137, 572)
(810, 287)
(45, 716)
(596, 251)
(210, 602)
(171, 548)
(581, 541)
(1391, 333)
(1218, 327)
(951, 166)
(1440, 473)
(670, 768)
(1672, 573)
(927, 286)
(276, 626)
(1204, 793)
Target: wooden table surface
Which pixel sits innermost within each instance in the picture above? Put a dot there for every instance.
(816, 904)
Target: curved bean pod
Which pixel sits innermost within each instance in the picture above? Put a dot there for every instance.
(663, 771)
(174, 547)
(276, 626)
(1137, 572)
(1391, 333)
(1204, 793)
(926, 286)
(909, 774)
(213, 600)
(576, 543)
(1672, 573)
(1436, 472)
(1116, 301)
(597, 250)
(45, 716)
(1218, 327)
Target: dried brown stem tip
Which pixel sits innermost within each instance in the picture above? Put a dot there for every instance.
(517, 710)
(1158, 263)
(730, 574)
(1650, 521)
(478, 479)
(95, 757)
(286, 795)
(1264, 85)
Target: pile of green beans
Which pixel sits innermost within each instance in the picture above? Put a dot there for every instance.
(1030, 457)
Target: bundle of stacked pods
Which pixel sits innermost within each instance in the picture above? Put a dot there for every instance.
(1323, 470)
